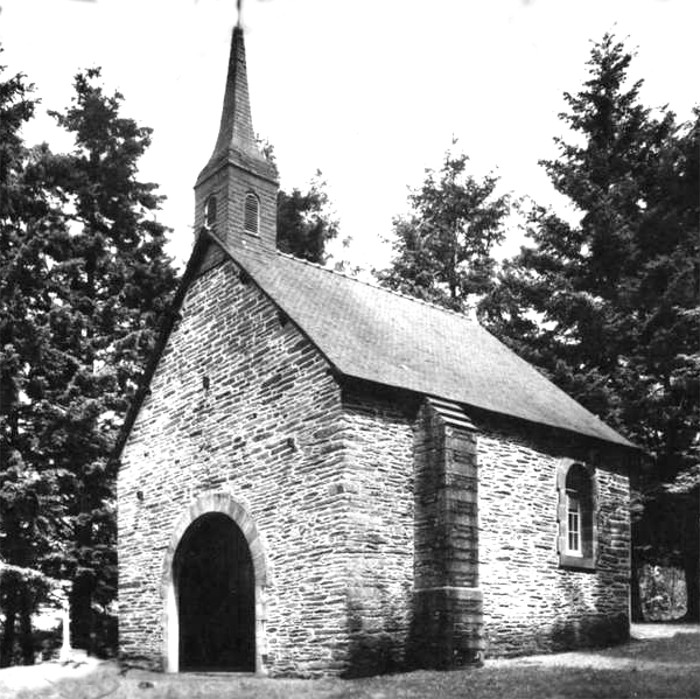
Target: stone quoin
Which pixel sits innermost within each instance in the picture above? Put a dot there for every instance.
(319, 476)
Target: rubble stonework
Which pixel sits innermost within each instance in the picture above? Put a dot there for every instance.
(447, 610)
(373, 483)
(378, 487)
(531, 603)
(216, 421)
(330, 478)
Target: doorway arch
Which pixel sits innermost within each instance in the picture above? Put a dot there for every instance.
(214, 576)
(215, 589)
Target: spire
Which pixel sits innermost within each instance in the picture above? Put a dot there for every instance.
(236, 192)
(236, 128)
(236, 142)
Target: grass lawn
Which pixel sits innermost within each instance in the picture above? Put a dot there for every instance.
(663, 667)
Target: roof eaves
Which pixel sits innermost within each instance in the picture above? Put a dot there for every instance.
(619, 440)
(339, 369)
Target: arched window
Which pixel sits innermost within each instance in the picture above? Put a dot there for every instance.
(576, 514)
(210, 212)
(251, 217)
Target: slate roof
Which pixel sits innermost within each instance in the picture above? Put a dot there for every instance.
(371, 333)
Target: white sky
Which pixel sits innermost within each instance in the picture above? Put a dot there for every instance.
(369, 91)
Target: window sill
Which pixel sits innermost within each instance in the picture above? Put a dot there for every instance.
(577, 562)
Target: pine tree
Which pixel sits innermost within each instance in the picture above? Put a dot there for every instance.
(85, 279)
(30, 507)
(608, 306)
(115, 283)
(443, 248)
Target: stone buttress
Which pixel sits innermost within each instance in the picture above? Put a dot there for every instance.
(447, 623)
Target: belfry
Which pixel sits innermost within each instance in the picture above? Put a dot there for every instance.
(320, 476)
(237, 171)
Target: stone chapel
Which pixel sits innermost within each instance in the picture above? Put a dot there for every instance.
(320, 476)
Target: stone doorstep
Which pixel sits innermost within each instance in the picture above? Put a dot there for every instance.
(214, 674)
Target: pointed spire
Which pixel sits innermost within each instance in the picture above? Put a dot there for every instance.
(236, 128)
(236, 192)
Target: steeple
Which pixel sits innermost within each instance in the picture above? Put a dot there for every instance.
(236, 129)
(236, 192)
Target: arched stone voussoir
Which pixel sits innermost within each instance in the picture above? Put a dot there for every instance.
(216, 501)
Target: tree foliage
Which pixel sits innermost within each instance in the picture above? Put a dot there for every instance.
(28, 504)
(305, 220)
(84, 280)
(305, 224)
(442, 249)
(608, 306)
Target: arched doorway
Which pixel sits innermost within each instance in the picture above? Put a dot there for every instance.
(214, 580)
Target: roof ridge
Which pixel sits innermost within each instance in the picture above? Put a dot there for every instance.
(371, 285)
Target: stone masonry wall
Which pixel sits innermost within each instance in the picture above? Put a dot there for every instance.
(447, 615)
(378, 490)
(241, 403)
(531, 604)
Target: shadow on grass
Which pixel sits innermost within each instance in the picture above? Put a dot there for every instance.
(681, 648)
(484, 683)
(668, 667)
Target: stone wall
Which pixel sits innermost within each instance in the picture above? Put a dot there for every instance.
(378, 490)
(531, 603)
(447, 607)
(242, 404)
(243, 409)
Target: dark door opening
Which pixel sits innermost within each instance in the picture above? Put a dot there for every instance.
(215, 586)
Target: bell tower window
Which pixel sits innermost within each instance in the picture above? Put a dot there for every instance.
(251, 214)
(210, 212)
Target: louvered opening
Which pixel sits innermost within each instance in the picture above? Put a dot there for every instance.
(210, 212)
(252, 214)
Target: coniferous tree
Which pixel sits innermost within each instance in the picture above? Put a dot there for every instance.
(30, 502)
(116, 282)
(443, 248)
(608, 306)
(85, 279)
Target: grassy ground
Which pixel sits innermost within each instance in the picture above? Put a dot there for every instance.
(653, 667)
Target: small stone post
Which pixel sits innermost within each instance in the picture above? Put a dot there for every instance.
(66, 651)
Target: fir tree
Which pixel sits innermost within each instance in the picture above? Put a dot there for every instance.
(30, 504)
(608, 306)
(115, 283)
(443, 247)
(85, 279)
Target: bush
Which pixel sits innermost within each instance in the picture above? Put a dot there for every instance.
(663, 593)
